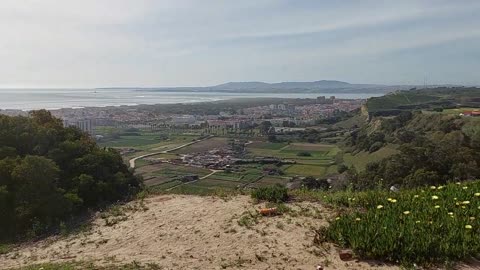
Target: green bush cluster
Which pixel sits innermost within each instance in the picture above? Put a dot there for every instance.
(49, 174)
(276, 193)
(430, 225)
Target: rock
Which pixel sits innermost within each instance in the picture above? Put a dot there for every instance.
(345, 254)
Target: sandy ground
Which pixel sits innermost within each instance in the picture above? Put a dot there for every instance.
(190, 232)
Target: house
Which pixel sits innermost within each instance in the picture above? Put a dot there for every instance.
(471, 113)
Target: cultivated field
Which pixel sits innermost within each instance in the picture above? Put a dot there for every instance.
(311, 159)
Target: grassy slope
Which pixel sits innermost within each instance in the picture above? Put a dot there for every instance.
(361, 159)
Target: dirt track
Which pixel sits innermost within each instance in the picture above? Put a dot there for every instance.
(190, 232)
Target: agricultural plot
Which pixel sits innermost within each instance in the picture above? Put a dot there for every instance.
(311, 159)
(307, 170)
(203, 146)
(148, 141)
(269, 181)
(162, 172)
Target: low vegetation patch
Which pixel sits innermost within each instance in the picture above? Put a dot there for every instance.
(276, 193)
(429, 225)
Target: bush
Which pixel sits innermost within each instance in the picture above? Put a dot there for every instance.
(304, 154)
(276, 193)
(431, 225)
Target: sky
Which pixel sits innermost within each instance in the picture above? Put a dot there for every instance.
(153, 43)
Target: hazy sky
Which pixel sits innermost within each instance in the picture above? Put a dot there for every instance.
(100, 43)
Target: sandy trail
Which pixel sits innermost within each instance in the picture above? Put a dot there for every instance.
(191, 232)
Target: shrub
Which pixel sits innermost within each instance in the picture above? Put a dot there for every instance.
(431, 225)
(304, 154)
(276, 193)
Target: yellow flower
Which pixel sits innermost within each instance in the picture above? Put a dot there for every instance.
(337, 218)
(415, 196)
(393, 201)
(418, 221)
(458, 183)
(389, 199)
(358, 219)
(463, 206)
(468, 226)
(433, 187)
(406, 212)
(465, 202)
(379, 206)
(434, 197)
(465, 187)
(437, 206)
(450, 213)
(477, 194)
(441, 187)
(455, 198)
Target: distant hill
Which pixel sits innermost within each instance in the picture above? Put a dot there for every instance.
(322, 86)
(424, 99)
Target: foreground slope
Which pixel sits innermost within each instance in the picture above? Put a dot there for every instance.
(190, 232)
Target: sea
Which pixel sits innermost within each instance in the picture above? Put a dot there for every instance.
(51, 99)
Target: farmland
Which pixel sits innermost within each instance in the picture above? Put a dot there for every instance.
(310, 159)
(163, 171)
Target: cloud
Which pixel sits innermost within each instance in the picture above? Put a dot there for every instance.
(89, 43)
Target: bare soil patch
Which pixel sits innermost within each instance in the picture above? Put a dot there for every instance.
(191, 232)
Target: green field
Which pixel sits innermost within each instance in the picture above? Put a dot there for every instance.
(203, 146)
(360, 160)
(317, 163)
(148, 141)
(163, 172)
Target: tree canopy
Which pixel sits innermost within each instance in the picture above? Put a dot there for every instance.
(49, 173)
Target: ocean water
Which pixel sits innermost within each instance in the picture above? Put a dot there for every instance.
(29, 99)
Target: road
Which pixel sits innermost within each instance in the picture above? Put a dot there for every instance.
(132, 161)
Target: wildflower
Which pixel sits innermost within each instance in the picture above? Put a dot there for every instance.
(406, 212)
(458, 183)
(393, 201)
(434, 197)
(450, 213)
(441, 187)
(337, 218)
(468, 226)
(437, 206)
(379, 206)
(418, 221)
(358, 219)
(463, 206)
(433, 187)
(472, 218)
(457, 203)
(353, 199)
(389, 199)
(465, 187)
(465, 202)
(415, 196)
(478, 208)
(477, 194)
(455, 198)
